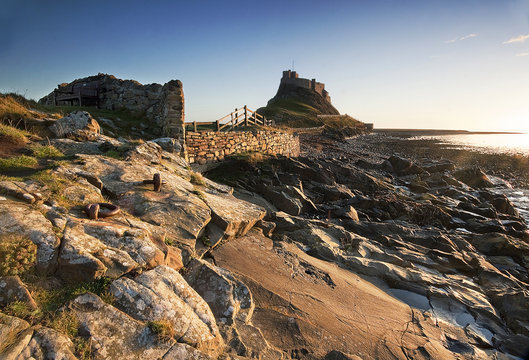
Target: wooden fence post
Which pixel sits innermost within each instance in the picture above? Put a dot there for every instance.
(218, 125)
(245, 116)
(195, 126)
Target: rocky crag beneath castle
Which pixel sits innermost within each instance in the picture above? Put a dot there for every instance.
(163, 105)
(298, 97)
(381, 257)
(310, 92)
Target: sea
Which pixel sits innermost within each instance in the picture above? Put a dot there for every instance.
(511, 144)
(490, 143)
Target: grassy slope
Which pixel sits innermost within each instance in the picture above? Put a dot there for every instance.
(15, 110)
(296, 114)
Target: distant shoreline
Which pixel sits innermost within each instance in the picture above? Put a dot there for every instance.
(433, 132)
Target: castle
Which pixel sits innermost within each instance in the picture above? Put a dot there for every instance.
(292, 78)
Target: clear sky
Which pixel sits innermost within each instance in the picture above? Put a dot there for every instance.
(446, 64)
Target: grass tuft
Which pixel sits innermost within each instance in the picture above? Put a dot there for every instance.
(163, 329)
(196, 178)
(18, 254)
(13, 135)
(20, 162)
(45, 151)
(66, 323)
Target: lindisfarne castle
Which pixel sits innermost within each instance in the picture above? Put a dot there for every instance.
(292, 78)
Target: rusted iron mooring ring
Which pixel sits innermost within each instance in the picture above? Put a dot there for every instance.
(156, 180)
(101, 210)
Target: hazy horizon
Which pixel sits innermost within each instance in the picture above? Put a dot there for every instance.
(397, 64)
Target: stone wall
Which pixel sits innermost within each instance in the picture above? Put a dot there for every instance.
(205, 147)
(162, 104)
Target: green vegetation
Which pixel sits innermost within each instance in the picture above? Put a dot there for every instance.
(123, 119)
(297, 114)
(56, 185)
(66, 322)
(45, 151)
(168, 241)
(115, 154)
(199, 194)
(20, 162)
(293, 113)
(51, 312)
(252, 158)
(13, 135)
(14, 108)
(163, 329)
(18, 254)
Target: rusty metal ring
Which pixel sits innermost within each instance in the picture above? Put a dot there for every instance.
(156, 181)
(101, 210)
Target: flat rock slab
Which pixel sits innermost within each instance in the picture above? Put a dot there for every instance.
(304, 300)
(176, 207)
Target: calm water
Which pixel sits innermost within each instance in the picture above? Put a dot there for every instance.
(491, 143)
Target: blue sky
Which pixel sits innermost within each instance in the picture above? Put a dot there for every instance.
(398, 63)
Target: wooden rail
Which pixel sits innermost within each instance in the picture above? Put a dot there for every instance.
(240, 117)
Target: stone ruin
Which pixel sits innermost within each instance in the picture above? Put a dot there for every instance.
(163, 105)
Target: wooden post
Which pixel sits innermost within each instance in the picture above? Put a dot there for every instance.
(232, 124)
(218, 125)
(194, 126)
(245, 116)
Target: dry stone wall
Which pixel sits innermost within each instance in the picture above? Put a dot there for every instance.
(203, 147)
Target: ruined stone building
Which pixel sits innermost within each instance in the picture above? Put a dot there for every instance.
(163, 105)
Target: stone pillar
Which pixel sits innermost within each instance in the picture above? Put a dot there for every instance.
(172, 111)
(172, 120)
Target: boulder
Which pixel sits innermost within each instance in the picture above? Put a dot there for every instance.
(24, 220)
(93, 249)
(473, 177)
(170, 145)
(73, 122)
(13, 289)
(10, 328)
(148, 152)
(113, 334)
(20, 341)
(227, 297)
(287, 198)
(504, 205)
(162, 294)
(45, 343)
(181, 351)
(233, 216)
(403, 166)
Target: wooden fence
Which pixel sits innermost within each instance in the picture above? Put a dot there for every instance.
(240, 117)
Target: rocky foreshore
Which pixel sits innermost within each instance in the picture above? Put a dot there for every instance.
(346, 252)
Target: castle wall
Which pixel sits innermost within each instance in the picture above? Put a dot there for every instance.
(291, 78)
(203, 147)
